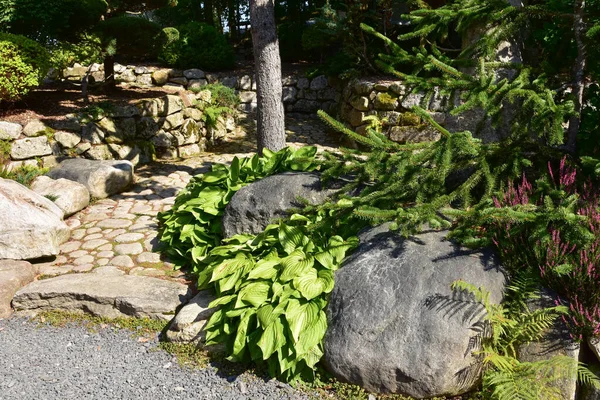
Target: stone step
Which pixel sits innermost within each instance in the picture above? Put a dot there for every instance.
(106, 292)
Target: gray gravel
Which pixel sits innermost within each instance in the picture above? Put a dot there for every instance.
(44, 362)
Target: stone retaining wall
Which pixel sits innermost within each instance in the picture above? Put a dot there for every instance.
(169, 127)
(300, 94)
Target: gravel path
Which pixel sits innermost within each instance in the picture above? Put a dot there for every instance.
(44, 363)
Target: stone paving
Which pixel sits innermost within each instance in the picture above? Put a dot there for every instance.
(121, 231)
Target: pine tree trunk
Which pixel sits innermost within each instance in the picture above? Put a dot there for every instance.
(579, 72)
(270, 116)
(109, 72)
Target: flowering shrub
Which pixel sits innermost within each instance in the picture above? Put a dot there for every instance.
(552, 228)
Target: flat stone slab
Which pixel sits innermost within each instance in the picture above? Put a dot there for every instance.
(13, 276)
(187, 326)
(107, 292)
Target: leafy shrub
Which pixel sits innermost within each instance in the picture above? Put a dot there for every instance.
(86, 50)
(167, 36)
(50, 20)
(23, 65)
(222, 96)
(552, 227)
(199, 46)
(136, 37)
(223, 101)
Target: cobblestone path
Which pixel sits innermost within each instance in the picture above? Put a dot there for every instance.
(122, 230)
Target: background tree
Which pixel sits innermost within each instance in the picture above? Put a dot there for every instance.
(270, 115)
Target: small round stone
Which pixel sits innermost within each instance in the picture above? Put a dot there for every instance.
(129, 237)
(84, 260)
(122, 261)
(129, 248)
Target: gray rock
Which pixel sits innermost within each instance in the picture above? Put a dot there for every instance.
(68, 195)
(160, 77)
(99, 153)
(180, 80)
(245, 82)
(126, 76)
(101, 178)
(319, 83)
(144, 79)
(289, 81)
(196, 84)
(124, 111)
(122, 130)
(169, 104)
(248, 97)
(395, 326)
(119, 68)
(163, 139)
(253, 207)
(31, 226)
(10, 130)
(92, 133)
(230, 81)
(289, 94)
(189, 151)
(303, 83)
(13, 276)
(190, 320)
(193, 73)
(140, 70)
(67, 140)
(360, 103)
(175, 120)
(30, 147)
(192, 113)
(105, 292)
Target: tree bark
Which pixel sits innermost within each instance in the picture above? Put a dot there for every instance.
(270, 116)
(109, 72)
(579, 72)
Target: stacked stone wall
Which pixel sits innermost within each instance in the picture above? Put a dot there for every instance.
(300, 94)
(168, 127)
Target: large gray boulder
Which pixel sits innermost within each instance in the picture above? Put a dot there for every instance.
(68, 195)
(102, 178)
(105, 292)
(31, 226)
(13, 276)
(394, 324)
(253, 207)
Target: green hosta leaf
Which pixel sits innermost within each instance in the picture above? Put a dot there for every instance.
(254, 293)
(230, 281)
(312, 334)
(265, 269)
(326, 259)
(299, 315)
(290, 237)
(272, 339)
(312, 283)
(296, 264)
(214, 176)
(215, 320)
(239, 343)
(237, 312)
(221, 300)
(337, 247)
(228, 267)
(267, 315)
(234, 169)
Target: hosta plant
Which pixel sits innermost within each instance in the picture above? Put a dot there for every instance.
(272, 292)
(193, 225)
